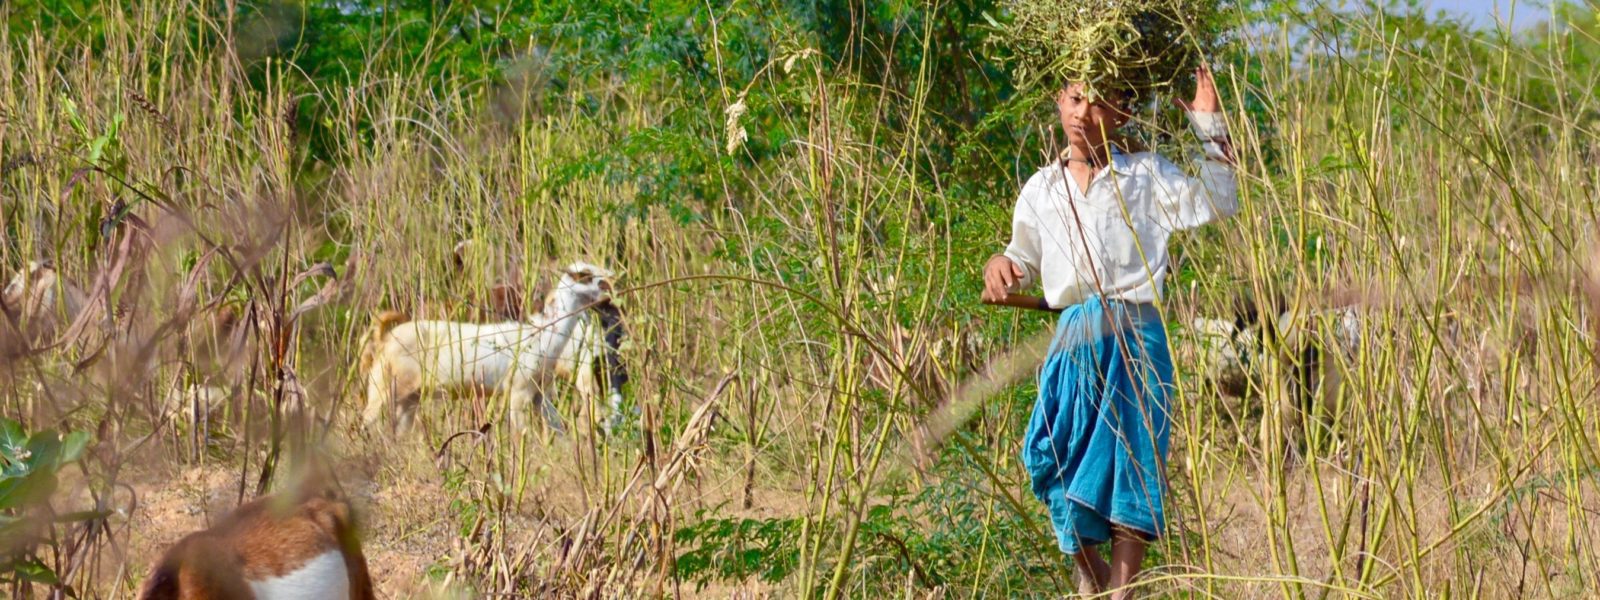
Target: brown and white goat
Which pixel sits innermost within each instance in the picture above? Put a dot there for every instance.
(401, 358)
(289, 546)
(40, 302)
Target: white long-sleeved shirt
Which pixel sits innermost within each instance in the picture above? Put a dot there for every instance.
(1125, 217)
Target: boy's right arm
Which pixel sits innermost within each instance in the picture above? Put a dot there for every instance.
(1017, 268)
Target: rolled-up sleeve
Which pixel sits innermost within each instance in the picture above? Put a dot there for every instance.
(1187, 202)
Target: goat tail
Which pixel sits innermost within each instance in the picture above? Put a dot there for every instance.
(381, 325)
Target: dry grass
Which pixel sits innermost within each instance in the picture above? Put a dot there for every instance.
(1458, 458)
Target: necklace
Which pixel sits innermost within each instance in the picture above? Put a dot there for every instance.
(1066, 158)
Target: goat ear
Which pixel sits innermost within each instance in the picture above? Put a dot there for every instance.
(506, 301)
(458, 257)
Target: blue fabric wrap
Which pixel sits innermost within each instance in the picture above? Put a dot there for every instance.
(1096, 444)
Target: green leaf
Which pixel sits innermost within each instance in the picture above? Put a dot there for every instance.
(12, 438)
(97, 146)
(72, 115)
(73, 445)
(33, 570)
(19, 492)
(16, 469)
(44, 451)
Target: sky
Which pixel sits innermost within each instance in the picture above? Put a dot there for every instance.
(1483, 12)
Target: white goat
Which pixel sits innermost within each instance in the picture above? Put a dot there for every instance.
(1309, 350)
(1233, 352)
(401, 358)
(592, 361)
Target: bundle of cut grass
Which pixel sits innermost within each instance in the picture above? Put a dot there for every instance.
(1135, 46)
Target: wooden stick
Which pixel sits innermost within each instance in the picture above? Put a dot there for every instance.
(1023, 301)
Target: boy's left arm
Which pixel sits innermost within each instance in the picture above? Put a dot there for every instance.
(1189, 202)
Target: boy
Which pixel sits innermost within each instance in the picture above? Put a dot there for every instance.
(1092, 230)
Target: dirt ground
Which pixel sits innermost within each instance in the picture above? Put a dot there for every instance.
(402, 534)
(410, 535)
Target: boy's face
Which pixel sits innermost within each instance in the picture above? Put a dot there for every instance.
(1088, 123)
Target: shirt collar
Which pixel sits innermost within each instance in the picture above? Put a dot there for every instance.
(1121, 164)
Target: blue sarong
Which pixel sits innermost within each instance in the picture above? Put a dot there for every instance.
(1096, 445)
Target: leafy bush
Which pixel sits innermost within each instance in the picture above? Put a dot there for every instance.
(736, 549)
(28, 477)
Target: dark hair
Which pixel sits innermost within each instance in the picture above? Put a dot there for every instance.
(1126, 97)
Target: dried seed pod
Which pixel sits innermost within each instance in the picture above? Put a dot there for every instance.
(1122, 46)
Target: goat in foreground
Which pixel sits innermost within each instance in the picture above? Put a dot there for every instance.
(401, 358)
(298, 544)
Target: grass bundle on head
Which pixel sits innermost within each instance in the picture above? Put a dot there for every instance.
(1132, 46)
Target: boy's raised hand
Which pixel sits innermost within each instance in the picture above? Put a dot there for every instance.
(1205, 93)
(999, 276)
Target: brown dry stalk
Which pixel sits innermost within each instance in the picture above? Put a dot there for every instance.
(19, 161)
(149, 108)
